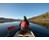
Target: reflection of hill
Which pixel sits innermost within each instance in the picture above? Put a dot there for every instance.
(41, 20)
(2, 20)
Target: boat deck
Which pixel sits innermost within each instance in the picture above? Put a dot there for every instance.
(28, 34)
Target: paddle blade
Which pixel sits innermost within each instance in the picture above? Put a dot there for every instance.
(11, 27)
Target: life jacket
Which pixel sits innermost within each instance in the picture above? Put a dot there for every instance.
(24, 24)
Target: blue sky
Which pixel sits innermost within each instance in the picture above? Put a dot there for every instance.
(18, 10)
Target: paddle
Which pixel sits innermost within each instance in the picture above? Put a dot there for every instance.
(10, 29)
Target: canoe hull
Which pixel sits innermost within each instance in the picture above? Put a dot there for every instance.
(28, 34)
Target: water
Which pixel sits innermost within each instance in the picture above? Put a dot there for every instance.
(38, 30)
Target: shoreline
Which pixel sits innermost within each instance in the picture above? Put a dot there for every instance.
(44, 23)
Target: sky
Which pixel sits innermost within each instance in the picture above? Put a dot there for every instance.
(18, 10)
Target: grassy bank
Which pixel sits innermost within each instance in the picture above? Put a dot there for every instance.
(42, 20)
(44, 23)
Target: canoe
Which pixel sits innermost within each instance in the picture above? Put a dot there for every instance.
(28, 34)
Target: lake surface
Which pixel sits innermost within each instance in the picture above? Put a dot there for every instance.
(38, 30)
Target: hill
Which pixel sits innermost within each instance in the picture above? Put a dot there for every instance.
(42, 20)
(2, 20)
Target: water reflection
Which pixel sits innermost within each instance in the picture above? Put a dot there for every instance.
(38, 30)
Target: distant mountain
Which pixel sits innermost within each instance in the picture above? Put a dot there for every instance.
(2, 20)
